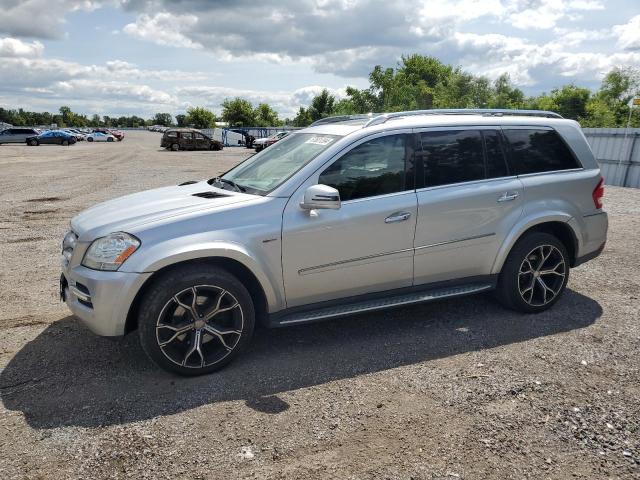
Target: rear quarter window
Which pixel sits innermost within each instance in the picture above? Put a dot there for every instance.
(537, 150)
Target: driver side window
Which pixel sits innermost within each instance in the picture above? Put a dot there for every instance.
(376, 167)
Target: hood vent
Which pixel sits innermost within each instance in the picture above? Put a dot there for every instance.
(209, 195)
(190, 182)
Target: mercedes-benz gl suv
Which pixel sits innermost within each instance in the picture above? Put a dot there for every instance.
(353, 214)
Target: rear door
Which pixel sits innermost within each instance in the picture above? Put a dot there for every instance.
(467, 202)
(22, 134)
(201, 142)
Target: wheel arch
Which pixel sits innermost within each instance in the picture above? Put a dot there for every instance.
(557, 225)
(233, 266)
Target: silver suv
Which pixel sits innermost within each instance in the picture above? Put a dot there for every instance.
(350, 215)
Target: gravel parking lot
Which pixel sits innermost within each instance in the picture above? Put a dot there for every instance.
(453, 389)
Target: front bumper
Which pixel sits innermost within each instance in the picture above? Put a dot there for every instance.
(100, 299)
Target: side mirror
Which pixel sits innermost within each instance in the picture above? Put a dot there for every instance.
(321, 196)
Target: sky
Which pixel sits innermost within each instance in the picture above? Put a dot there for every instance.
(125, 57)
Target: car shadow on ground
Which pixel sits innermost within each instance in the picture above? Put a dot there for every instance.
(69, 377)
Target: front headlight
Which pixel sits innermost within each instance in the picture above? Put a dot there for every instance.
(108, 253)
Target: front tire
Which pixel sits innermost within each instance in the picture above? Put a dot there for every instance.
(65, 143)
(90, 139)
(195, 320)
(109, 139)
(175, 147)
(535, 273)
(33, 143)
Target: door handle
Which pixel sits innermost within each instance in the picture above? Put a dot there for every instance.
(397, 217)
(508, 196)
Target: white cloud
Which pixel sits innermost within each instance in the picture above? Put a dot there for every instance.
(12, 47)
(629, 34)
(540, 43)
(164, 29)
(40, 18)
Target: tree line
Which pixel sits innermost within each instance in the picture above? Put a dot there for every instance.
(417, 82)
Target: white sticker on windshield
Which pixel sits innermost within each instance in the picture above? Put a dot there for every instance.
(320, 140)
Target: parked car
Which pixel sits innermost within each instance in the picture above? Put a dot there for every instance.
(117, 134)
(188, 139)
(80, 137)
(17, 134)
(262, 143)
(100, 137)
(52, 137)
(340, 218)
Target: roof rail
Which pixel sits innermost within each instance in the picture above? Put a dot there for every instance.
(344, 118)
(489, 112)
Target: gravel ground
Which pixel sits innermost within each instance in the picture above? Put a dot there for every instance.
(453, 389)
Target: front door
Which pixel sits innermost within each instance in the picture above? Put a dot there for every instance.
(201, 142)
(367, 245)
(467, 203)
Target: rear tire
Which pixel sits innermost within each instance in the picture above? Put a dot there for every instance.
(535, 274)
(33, 143)
(65, 143)
(195, 333)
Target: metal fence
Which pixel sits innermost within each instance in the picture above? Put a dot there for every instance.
(618, 153)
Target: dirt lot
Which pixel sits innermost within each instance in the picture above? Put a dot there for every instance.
(454, 389)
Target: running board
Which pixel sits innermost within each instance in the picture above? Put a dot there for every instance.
(379, 304)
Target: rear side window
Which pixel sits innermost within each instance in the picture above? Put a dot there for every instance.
(452, 156)
(186, 135)
(538, 150)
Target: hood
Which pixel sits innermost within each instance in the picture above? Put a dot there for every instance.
(260, 141)
(131, 212)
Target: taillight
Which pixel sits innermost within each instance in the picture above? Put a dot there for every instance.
(598, 193)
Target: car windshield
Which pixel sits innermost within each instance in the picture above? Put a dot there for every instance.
(268, 169)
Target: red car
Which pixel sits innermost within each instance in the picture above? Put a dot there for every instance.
(116, 133)
(263, 143)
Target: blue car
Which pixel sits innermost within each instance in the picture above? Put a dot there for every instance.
(53, 137)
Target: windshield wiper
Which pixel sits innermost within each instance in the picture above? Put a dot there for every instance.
(220, 180)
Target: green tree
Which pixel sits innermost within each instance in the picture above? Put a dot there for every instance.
(163, 119)
(181, 120)
(302, 118)
(266, 116)
(363, 101)
(200, 117)
(505, 95)
(238, 112)
(569, 101)
(67, 117)
(95, 120)
(344, 106)
(321, 105)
